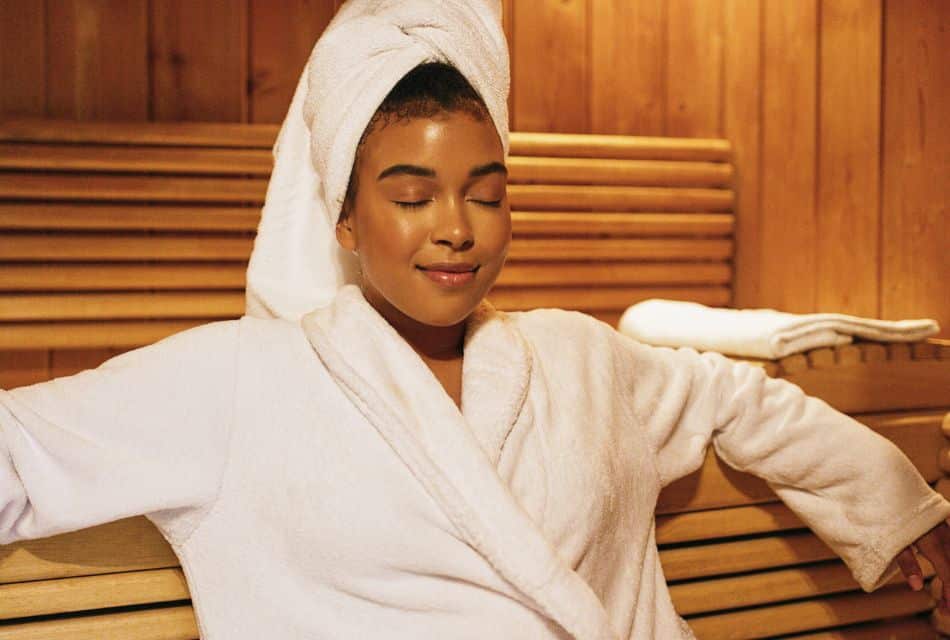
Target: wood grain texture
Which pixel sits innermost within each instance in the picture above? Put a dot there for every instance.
(788, 226)
(552, 66)
(97, 59)
(171, 623)
(628, 67)
(915, 264)
(22, 58)
(849, 117)
(280, 44)
(742, 126)
(694, 68)
(199, 60)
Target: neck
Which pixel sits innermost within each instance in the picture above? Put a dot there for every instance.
(429, 341)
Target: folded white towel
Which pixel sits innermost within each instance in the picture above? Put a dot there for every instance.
(758, 333)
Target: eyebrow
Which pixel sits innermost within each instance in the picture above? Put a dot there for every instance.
(426, 172)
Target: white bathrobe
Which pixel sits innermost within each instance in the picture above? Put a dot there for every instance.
(316, 481)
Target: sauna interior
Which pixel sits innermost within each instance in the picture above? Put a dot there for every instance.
(817, 138)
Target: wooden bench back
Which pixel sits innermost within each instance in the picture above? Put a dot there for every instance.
(118, 235)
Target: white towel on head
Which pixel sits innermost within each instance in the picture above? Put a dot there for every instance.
(758, 333)
(366, 49)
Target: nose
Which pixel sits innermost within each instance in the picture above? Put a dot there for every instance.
(451, 225)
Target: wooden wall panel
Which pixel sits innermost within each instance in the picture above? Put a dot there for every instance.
(199, 60)
(98, 69)
(694, 69)
(742, 126)
(22, 58)
(788, 229)
(280, 44)
(915, 265)
(628, 67)
(849, 116)
(550, 65)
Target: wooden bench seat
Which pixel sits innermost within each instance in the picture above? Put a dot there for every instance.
(116, 235)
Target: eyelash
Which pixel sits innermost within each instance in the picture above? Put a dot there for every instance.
(421, 203)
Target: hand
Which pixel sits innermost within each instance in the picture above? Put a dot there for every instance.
(935, 546)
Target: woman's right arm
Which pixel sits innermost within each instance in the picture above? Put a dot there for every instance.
(145, 433)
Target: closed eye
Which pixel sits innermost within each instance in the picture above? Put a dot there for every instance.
(411, 205)
(489, 203)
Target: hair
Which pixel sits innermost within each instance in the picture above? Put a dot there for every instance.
(428, 89)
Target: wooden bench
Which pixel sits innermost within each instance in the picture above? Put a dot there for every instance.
(112, 236)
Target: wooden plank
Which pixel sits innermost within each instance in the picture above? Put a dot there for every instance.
(915, 262)
(27, 216)
(849, 155)
(742, 126)
(783, 619)
(66, 362)
(199, 73)
(556, 249)
(86, 188)
(126, 277)
(789, 85)
(169, 623)
(189, 134)
(550, 68)
(595, 171)
(100, 72)
(628, 64)
(280, 43)
(131, 544)
(587, 223)
(120, 306)
(610, 198)
(20, 368)
(174, 160)
(694, 68)
(89, 335)
(615, 146)
(85, 248)
(599, 298)
(68, 595)
(22, 58)
(901, 629)
(725, 523)
(721, 558)
(605, 274)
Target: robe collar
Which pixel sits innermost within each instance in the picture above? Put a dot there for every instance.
(454, 454)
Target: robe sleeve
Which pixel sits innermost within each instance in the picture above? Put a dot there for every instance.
(144, 433)
(854, 488)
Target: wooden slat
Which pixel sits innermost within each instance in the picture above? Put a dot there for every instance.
(601, 198)
(22, 367)
(621, 147)
(120, 306)
(765, 587)
(189, 134)
(131, 544)
(101, 158)
(653, 249)
(98, 277)
(581, 223)
(89, 247)
(598, 171)
(694, 50)
(84, 335)
(169, 623)
(725, 523)
(722, 558)
(22, 59)
(606, 274)
(600, 298)
(85, 188)
(68, 595)
(28, 216)
(780, 620)
(902, 629)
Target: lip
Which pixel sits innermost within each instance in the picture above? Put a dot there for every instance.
(449, 267)
(449, 279)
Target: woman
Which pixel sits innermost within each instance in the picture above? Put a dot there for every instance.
(405, 461)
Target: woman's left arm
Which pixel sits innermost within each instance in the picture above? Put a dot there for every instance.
(853, 487)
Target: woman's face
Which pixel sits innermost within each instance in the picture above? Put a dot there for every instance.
(430, 190)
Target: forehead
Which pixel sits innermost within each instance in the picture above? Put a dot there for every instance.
(443, 140)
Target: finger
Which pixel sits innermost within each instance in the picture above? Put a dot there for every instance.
(930, 546)
(911, 569)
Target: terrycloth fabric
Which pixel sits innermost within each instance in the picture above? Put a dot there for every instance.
(296, 264)
(316, 481)
(758, 333)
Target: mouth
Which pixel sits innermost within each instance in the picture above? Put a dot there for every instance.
(449, 276)
(447, 267)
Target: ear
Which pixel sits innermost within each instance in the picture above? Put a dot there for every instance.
(345, 234)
